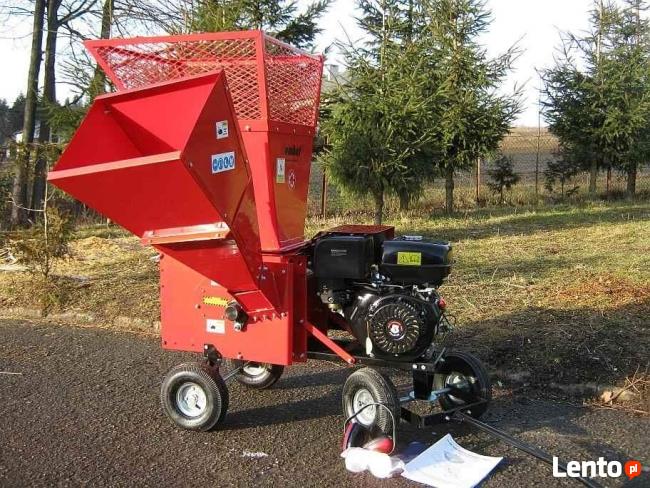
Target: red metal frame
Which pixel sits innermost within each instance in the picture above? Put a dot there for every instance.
(329, 343)
(150, 158)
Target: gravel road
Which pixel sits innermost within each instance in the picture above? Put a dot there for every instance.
(83, 410)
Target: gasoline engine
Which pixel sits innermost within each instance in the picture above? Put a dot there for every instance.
(386, 289)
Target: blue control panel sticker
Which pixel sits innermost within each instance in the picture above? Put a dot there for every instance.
(223, 162)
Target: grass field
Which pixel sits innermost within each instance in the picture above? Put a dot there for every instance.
(552, 296)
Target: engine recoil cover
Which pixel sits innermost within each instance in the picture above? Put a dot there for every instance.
(398, 326)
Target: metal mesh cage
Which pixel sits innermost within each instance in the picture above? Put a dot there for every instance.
(267, 78)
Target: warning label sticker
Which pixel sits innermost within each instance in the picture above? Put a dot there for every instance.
(279, 170)
(216, 301)
(223, 162)
(215, 326)
(222, 129)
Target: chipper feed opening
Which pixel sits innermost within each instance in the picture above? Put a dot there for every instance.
(275, 92)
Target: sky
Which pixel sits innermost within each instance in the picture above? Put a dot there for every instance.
(534, 24)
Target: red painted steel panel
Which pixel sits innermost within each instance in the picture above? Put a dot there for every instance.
(138, 196)
(291, 193)
(218, 260)
(188, 323)
(281, 195)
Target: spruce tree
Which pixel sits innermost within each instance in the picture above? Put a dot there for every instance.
(503, 176)
(475, 115)
(597, 96)
(5, 123)
(559, 171)
(280, 18)
(380, 126)
(628, 122)
(16, 113)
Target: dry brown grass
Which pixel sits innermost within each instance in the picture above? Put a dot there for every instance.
(633, 396)
(104, 277)
(556, 295)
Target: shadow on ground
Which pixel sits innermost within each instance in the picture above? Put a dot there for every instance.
(563, 346)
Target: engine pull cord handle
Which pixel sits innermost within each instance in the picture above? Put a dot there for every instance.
(353, 416)
(518, 444)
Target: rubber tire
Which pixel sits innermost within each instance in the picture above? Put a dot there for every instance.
(213, 386)
(382, 391)
(261, 381)
(468, 365)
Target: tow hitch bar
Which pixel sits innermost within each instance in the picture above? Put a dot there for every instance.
(516, 443)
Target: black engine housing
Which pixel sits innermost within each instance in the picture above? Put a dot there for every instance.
(385, 288)
(407, 260)
(411, 260)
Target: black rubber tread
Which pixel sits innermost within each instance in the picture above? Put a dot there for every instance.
(214, 387)
(382, 390)
(468, 365)
(259, 382)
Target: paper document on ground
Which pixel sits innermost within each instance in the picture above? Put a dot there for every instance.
(448, 465)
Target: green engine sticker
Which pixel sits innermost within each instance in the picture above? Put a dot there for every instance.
(409, 258)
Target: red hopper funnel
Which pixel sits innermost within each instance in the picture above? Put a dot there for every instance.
(213, 173)
(167, 163)
(275, 89)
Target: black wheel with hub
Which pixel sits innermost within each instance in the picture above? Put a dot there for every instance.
(464, 371)
(257, 376)
(194, 396)
(366, 386)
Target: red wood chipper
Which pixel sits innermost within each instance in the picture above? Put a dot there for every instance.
(204, 152)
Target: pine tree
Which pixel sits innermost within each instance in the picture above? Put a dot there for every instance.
(380, 126)
(280, 18)
(503, 176)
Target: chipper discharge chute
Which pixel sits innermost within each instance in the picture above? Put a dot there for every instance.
(204, 152)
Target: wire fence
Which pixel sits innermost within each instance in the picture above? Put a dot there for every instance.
(531, 151)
